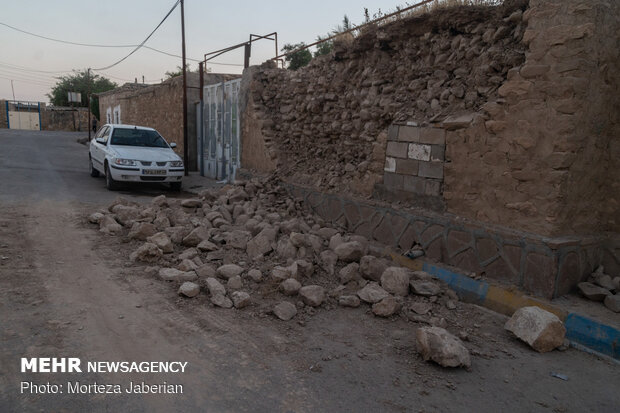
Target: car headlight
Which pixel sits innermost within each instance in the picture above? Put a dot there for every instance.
(125, 162)
(176, 164)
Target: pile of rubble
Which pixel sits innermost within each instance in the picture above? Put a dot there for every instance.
(252, 245)
(601, 287)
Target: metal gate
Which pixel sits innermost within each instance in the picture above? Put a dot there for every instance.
(23, 115)
(218, 138)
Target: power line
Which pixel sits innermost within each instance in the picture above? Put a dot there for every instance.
(144, 41)
(26, 74)
(24, 81)
(34, 70)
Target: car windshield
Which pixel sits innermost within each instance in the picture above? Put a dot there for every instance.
(137, 137)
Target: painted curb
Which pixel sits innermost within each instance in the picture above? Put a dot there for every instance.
(583, 333)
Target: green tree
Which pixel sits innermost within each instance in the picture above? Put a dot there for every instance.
(323, 48)
(83, 83)
(177, 72)
(298, 59)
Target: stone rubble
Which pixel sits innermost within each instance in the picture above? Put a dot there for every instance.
(602, 287)
(542, 330)
(437, 344)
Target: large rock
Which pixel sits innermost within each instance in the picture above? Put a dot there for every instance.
(395, 280)
(142, 231)
(262, 243)
(388, 306)
(108, 225)
(162, 241)
(372, 268)
(312, 295)
(290, 286)
(189, 289)
(205, 271)
(196, 236)
(234, 283)
(191, 203)
(605, 281)
(237, 239)
(372, 293)
(255, 275)
(613, 302)
(286, 249)
(542, 330)
(435, 343)
(349, 251)
(215, 287)
(172, 274)
(147, 252)
(424, 288)
(187, 265)
(593, 292)
(126, 215)
(240, 299)
(285, 311)
(229, 270)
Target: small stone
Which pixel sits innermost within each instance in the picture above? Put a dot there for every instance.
(196, 236)
(221, 300)
(142, 230)
(187, 265)
(372, 268)
(172, 274)
(328, 261)
(349, 251)
(395, 280)
(349, 301)
(162, 241)
(189, 289)
(234, 283)
(255, 275)
(205, 271)
(188, 254)
(420, 308)
(147, 253)
(108, 225)
(240, 299)
(349, 273)
(593, 292)
(207, 246)
(228, 271)
(290, 286)
(388, 306)
(605, 282)
(542, 330)
(215, 287)
(312, 295)
(372, 293)
(424, 288)
(304, 268)
(613, 303)
(285, 311)
(191, 203)
(435, 343)
(280, 273)
(95, 218)
(450, 305)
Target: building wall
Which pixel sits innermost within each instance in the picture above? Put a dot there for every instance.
(160, 107)
(3, 120)
(499, 118)
(55, 118)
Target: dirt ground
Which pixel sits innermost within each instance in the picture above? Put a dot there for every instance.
(67, 290)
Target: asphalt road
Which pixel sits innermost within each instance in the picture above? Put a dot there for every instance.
(66, 290)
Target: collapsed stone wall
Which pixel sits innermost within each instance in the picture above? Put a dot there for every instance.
(337, 110)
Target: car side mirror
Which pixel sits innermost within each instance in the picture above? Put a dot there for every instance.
(173, 145)
(99, 140)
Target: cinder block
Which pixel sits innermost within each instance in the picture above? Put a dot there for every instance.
(419, 152)
(438, 153)
(397, 149)
(431, 170)
(432, 187)
(414, 184)
(409, 134)
(434, 136)
(393, 132)
(390, 164)
(407, 166)
(393, 181)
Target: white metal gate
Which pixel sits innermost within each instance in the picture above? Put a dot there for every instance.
(218, 141)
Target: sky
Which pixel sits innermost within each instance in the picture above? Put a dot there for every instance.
(34, 63)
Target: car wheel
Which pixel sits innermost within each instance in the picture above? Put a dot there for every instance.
(110, 183)
(93, 172)
(175, 186)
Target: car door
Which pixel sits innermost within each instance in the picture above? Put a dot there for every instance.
(99, 146)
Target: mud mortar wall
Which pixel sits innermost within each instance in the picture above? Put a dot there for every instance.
(504, 118)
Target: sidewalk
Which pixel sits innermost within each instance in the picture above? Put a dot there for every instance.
(194, 183)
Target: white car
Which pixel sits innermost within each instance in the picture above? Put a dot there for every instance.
(127, 153)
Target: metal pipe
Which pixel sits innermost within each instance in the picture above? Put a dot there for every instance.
(185, 148)
(201, 128)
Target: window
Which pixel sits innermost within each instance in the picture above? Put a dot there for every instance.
(137, 137)
(108, 115)
(117, 114)
(105, 134)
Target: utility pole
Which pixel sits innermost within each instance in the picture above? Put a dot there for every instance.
(90, 122)
(185, 146)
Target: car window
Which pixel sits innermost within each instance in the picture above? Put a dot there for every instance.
(105, 135)
(100, 132)
(137, 137)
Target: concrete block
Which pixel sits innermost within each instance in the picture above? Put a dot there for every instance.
(414, 184)
(435, 136)
(392, 180)
(397, 149)
(393, 132)
(409, 134)
(431, 170)
(432, 187)
(407, 166)
(390, 164)
(419, 152)
(438, 153)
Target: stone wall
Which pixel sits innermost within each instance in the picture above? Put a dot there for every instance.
(62, 119)
(3, 119)
(505, 118)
